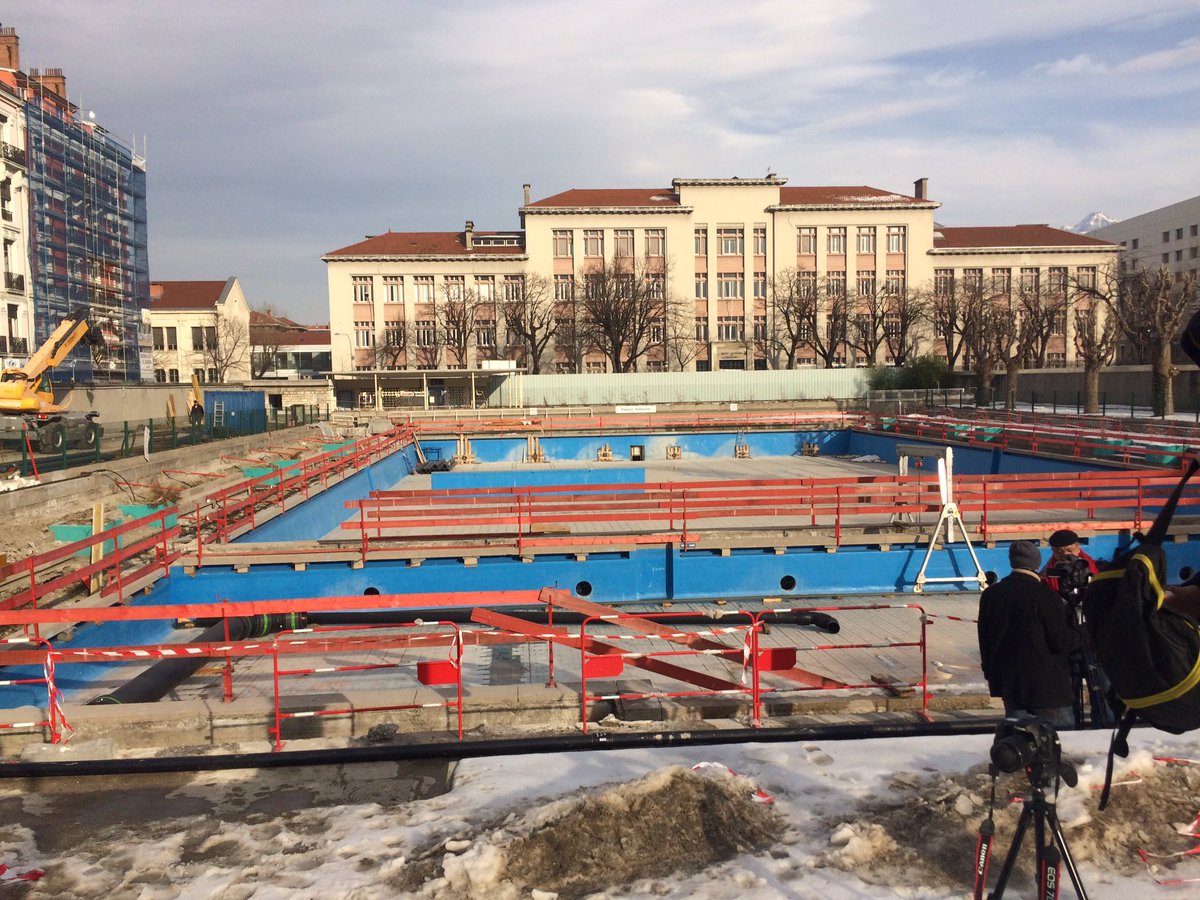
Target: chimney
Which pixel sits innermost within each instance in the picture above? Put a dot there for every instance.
(921, 188)
(469, 235)
(51, 80)
(10, 48)
(526, 195)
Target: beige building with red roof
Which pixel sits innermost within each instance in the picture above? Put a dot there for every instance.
(200, 327)
(721, 248)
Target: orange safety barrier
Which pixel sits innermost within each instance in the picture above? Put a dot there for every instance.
(785, 657)
(606, 664)
(633, 422)
(55, 721)
(429, 672)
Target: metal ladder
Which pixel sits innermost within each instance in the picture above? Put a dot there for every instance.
(218, 416)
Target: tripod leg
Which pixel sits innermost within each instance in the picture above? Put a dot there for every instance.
(1068, 863)
(1011, 859)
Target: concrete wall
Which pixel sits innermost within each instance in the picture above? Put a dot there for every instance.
(130, 403)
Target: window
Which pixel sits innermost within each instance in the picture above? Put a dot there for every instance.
(656, 242)
(212, 376)
(393, 334)
(760, 240)
(1166, 258)
(1178, 256)
(623, 243)
(760, 328)
(806, 241)
(393, 289)
(1179, 234)
(1166, 237)
(656, 365)
(1030, 279)
(1134, 244)
(594, 367)
(1056, 280)
(731, 241)
(943, 282)
(159, 343)
(702, 328)
(893, 286)
(454, 287)
(1002, 282)
(866, 284)
(891, 324)
(1086, 276)
(593, 243)
(361, 284)
(701, 241)
(656, 331)
(1195, 231)
(730, 285)
(423, 288)
(835, 241)
(806, 284)
(866, 240)
(703, 365)
(760, 285)
(173, 376)
(485, 333)
(1058, 321)
(172, 338)
(564, 244)
(514, 288)
(730, 328)
(204, 338)
(701, 286)
(160, 375)
(897, 239)
(973, 281)
(1056, 360)
(564, 287)
(836, 282)
(364, 334)
(197, 338)
(426, 334)
(485, 288)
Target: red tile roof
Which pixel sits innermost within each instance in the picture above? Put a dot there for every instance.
(422, 243)
(610, 198)
(839, 196)
(1012, 236)
(185, 294)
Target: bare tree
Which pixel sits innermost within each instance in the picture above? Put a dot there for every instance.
(623, 303)
(828, 323)
(455, 317)
(950, 307)
(680, 344)
(1026, 328)
(904, 313)
(792, 317)
(427, 342)
(391, 345)
(867, 314)
(267, 335)
(988, 332)
(1096, 344)
(1149, 309)
(226, 347)
(531, 317)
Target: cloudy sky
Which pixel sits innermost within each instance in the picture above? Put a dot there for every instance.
(277, 131)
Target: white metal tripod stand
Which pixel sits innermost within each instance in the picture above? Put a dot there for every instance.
(948, 518)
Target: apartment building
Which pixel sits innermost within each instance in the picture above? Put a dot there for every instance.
(1164, 238)
(83, 205)
(720, 249)
(201, 328)
(17, 331)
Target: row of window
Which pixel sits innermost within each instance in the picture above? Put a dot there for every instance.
(1193, 231)
(424, 334)
(730, 241)
(1000, 280)
(171, 376)
(203, 338)
(454, 288)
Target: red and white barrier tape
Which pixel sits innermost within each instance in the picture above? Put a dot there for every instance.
(759, 796)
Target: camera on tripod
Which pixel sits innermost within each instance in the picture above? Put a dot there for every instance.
(1032, 745)
(1072, 576)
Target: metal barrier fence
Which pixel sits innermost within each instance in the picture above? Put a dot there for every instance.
(125, 439)
(55, 721)
(429, 672)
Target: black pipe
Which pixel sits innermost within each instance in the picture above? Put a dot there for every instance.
(803, 618)
(158, 680)
(455, 750)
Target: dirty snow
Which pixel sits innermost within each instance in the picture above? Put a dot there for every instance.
(865, 819)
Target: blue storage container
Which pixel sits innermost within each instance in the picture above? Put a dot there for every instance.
(240, 412)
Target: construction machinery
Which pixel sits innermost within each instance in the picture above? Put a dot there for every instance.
(27, 407)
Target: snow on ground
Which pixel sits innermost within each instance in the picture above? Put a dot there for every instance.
(862, 819)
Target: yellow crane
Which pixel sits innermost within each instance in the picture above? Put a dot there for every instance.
(27, 396)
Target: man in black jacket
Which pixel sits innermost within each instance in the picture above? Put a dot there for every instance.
(1025, 642)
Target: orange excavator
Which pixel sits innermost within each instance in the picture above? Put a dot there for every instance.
(27, 404)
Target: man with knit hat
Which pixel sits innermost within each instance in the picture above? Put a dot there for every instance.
(1025, 642)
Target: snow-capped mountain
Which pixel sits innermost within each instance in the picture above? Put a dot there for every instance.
(1091, 222)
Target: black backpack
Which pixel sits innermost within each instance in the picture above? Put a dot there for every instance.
(1150, 654)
